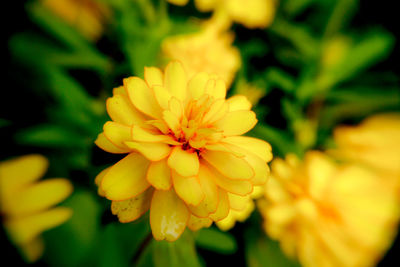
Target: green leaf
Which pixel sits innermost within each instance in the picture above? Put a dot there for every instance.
(179, 253)
(279, 78)
(69, 244)
(214, 239)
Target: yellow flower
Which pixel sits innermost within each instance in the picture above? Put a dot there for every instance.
(187, 162)
(329, 214)
(250, 13)
(205, 51)
(252, 92)
(375, 142)
(87, 16)
(27, 205)
(178, 2)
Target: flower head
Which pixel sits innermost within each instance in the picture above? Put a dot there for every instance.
(205, 51)
(186, 156)
(27, 205)
(329, 214)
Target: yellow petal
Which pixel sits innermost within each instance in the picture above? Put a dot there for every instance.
(172, 122)
(19, 172)
(238, 102)
(217, 110)
(210, 189)
(196, 223)
(153, 76)
(98, 180)
(197, 84)
(223, 206)
(142, 97)
(25, 229)
(152, 151)
(188, 189)
(120, 90)
(162, 96)
(175, 106)
(105, 144)
(140, 134)
(117, 134)
(33, 250)
(131, 209)
(127, 178)
(237, 122)
(256, 146)
(237, 202)
(237, 187)
(229, 165)
(320, 170)
(121, 110)
(175, 80)
(184, 162)
(38, 197)
(159, 175)
(168, 215)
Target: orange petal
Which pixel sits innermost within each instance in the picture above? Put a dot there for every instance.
(127, 178)
(153, 76)
(188, 189)
(175, 80)
(168, 215)
(229, 165)
(223, 206)
(152, 151)
(196, 223)
(105, 144)
(131, 209)
(184, 162)
(237, 122)
(117, 133)
(122, 111)
(142, 97)
(159, 175)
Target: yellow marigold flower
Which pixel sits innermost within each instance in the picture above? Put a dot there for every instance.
(205, 51)
(87, 16)
(329, 214)
(251, 13)
(375, 142)
(187, 162)
(27, 205)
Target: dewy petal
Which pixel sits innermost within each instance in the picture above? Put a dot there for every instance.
(197, 85)
(256, 146)
(131, 209)
(122, 111)
(153, 76)
(188, 189)
(237, 187)
(142, 97)
(229, 165)
(168, 215)
(152, 151)
(237, 122)
(184, 162)
(159, 175)
(223, 206)
(196, 223)
(39, 197)
(117, 133)
(210, 189)
(21, 171)
(238, 102)
(162, 96)
(25, 229)
(127, 178)
(105, 144)
(175, 80)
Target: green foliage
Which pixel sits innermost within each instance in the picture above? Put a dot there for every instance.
(213, 239)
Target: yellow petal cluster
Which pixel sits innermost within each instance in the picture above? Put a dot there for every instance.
(329, 214)
(205, 51)
(186, 160)
(87, 16)
(27, 205)
(250, 13)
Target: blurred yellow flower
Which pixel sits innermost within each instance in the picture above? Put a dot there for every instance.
(329, 214)
(187, 162)
(205, 51)
(87, 16)
(250, 91)
(250, 13)
(27, 205)
(375, 142)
